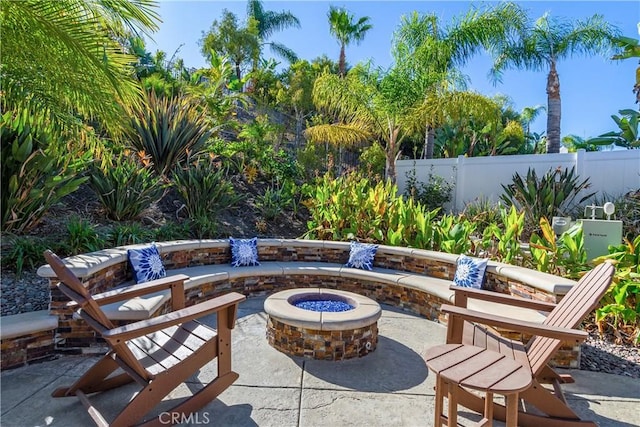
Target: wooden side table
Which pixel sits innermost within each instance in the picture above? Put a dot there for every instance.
(479, 369)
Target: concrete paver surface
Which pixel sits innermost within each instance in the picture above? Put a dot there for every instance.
(389, 387)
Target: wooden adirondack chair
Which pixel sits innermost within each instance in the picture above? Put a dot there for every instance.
(159, 353)
(471, 327)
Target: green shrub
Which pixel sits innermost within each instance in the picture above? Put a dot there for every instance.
(129, 234)
(564, 255)
(483, 212)
(551, 195)
(203, 227)
(172, 231)
(620, 307)
(502, 242)
(24, 251)
(204, 189)
(83, 237)
(351, 207)
(38, 169)
(125, 188)
(168, 130)
(273, 202)
(434, 193)
(373, 160)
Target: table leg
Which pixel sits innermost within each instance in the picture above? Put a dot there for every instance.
(453, 404)
(440, 386)
(512, 409)
(488, 409)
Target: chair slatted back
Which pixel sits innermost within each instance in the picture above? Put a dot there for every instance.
(570, 311)
(72, 287)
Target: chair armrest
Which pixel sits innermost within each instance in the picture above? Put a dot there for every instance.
(565, 334)
(499, 298)
(128, 292)
(137, 329)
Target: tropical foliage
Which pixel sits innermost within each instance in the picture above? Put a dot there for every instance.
(628, 135)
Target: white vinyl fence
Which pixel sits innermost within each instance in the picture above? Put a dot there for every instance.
(610, 172)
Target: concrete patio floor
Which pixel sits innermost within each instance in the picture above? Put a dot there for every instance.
(389, 387)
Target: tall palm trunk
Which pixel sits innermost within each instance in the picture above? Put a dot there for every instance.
(342, 62)
(391, 154)
(429, 140)
(554, 107)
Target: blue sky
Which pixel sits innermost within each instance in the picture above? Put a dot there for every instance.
(592, 89)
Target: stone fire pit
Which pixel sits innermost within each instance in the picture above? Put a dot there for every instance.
(322, 335)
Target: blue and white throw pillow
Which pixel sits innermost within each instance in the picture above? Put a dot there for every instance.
(146, 263)
(361, 256)
(470, 272)
(244, 252)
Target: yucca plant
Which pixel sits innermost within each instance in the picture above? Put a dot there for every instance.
(553, 194)
(126, 187)
(204, 188)
(168, 130)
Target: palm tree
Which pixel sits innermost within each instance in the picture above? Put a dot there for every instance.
(270, 22)
(62, 59)
(343, 28)
(431, 53)
(366, 105)
(546, 42)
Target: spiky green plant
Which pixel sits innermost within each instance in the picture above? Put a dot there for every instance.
(204, 189)
(125, 188)
(168, 130)
(553, 194)
(83, 236)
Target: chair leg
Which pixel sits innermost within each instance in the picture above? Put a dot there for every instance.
(94, 379)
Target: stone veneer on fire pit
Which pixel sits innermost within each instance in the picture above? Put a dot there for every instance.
(320, 334)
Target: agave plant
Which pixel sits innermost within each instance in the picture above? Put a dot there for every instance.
(204, 189)
(126, 188)
(168, 129)
(551, 195)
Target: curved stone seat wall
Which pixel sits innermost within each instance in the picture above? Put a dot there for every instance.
(413, 279)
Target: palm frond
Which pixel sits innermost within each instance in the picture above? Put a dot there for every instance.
(77, 66)
(282, 51)
(340, 134)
